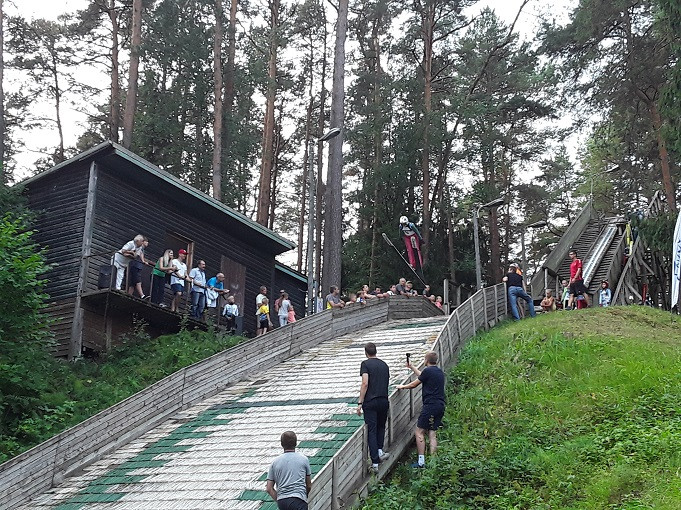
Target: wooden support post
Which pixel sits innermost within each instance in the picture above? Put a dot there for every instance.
(484, 306)
(475, 329)
(76, 345)
(445, 295)
(496, 303)
(458, 325)
(334, 483)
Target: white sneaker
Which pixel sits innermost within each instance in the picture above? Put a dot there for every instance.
(373, 469)
(384, 456)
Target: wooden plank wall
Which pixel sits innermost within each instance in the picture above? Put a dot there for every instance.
(124, 210)
(59, 201)
(348, 466)
(45, 465)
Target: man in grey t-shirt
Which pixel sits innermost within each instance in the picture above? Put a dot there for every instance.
(291, 473)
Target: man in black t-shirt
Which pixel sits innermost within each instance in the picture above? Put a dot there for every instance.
(373, 401)
(433, 396)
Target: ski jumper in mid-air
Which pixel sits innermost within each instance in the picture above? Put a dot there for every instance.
(412, 241)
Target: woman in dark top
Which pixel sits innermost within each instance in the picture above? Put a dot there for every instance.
(161, 270)
(514, 283)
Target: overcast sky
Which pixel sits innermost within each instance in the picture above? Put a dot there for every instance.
(74, 121)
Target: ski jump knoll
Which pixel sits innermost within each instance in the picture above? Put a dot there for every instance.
(203, 438)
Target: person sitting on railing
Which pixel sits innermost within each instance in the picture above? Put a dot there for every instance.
(231, 312)
(162, 270)
(122, 258)
(548, 304)
(604, 294)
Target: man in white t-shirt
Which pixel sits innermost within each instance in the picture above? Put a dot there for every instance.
(284, 307)
(260, 297)
(177, 279)
(122, 257)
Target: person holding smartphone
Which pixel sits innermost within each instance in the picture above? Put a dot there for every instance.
(433, 395)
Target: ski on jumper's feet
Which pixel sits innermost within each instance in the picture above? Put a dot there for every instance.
(387, 240)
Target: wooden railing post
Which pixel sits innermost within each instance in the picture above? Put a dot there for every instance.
(484, 306)
(334, 483)
(475, 329)
(496, 303)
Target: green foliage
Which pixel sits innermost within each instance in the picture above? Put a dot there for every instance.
(570, 410)
(658, 232)
(40, 396)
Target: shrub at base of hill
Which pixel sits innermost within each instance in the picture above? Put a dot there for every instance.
(40, 396)
(571, 410)
(64, 394)
(24, 337)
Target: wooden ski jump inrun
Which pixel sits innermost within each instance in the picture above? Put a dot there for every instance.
(204, 436)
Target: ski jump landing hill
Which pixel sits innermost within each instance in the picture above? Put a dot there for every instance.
(203, 437)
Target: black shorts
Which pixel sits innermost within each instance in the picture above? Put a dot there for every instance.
(430, 417)
(578, 288)
(264, 324)
(135, 270)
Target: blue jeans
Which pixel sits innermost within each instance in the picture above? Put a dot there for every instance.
(518, 292)
(198, 304)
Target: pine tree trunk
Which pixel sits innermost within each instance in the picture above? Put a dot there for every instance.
(4, 174)
(428, 25)
(57, 106)
(228, 103)
(306, 174)
(131, 97)
(333, 215)
(115, 99)
(265, 187)
(664, 157)
(217, 114)
(320, 189)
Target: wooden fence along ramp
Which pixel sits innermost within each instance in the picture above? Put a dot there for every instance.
(207, 443)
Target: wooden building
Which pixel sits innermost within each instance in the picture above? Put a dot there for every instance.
(92, 204)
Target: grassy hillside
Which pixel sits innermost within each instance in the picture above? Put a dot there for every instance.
(62, 394)
(570, 410)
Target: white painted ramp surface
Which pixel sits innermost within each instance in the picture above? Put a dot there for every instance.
(215, 454)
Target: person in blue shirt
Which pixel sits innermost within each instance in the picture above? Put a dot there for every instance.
(215, 288)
